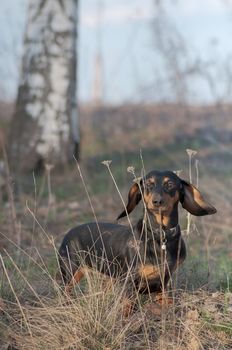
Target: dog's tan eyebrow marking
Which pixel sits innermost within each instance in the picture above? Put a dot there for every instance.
(166, 179)
(151, 180)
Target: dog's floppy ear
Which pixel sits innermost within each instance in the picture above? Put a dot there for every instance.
(134, 197)
(193, 201)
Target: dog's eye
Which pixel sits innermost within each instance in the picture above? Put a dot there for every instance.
(149, 186)
(169, 185)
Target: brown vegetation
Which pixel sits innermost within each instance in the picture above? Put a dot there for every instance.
(35, 314)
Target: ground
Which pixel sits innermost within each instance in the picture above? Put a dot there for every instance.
(35, 314)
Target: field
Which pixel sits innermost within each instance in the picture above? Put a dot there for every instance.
(34, 311)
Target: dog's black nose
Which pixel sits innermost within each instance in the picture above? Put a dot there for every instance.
(157, 201)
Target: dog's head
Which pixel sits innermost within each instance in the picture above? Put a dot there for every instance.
(162, 191)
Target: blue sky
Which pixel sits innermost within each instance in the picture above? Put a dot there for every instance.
(129, 61)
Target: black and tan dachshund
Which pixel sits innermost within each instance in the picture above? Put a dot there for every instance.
(152, 247)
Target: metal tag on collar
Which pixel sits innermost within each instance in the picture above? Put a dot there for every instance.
(163, 246)
(164, 241)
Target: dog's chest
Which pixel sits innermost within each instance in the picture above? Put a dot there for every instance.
(155, 257)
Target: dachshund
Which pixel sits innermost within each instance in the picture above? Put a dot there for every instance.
(150, 251)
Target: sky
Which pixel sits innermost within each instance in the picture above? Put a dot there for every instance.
(123, 35)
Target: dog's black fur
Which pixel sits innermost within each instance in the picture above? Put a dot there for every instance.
(153, 245)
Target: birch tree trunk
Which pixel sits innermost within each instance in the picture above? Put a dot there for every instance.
(45, 125)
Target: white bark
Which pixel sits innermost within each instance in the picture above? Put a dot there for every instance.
(46, 106)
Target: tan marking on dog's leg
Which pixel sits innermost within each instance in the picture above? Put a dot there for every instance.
(149, 271)
(159, 304)
(75, 279)
(163, 299)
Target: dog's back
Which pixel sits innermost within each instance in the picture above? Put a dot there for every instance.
(102, 246)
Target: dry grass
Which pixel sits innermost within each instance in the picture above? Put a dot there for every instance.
(35, 313)
(93, 317)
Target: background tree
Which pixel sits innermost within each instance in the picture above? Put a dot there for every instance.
(45, 123)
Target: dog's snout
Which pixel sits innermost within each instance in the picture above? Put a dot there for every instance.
(157, 201)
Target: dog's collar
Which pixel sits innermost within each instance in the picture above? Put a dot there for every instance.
(163, 234)
(169, 233)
